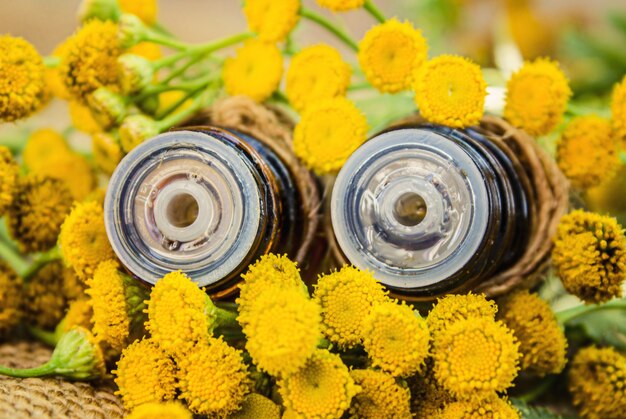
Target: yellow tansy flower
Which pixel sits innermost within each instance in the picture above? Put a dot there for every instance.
(22, 82)
(145, 10)
(79, 313)
(283, 330)
(148, 50)
(180, 314)
(90, 58)
(597, 382)
(11, 298)
(317, 72)
(255, 70)
(537, 96)
(391, 53)
(452, 308)
(587, 151)
(475, 357)
(341, 5)
(118, 305)
(256, 406)
(618, 111)
(490, 408)
(396, 339)
(45, 296)
(42, 145)
(145, 374)
(221, 393)
(107, 151)
(154, 410)
(37, 212)
(450, 90)
(83, 239)
(542, 341)
(589, 256)
(53, 77)
(272, 20)
(9, 179)
(82, 119)
(381, 397)
(328, 133)
(323, 388)
(73, 170)
(346, 298)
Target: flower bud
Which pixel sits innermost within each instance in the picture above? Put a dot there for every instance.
(135, 73)
(131, 30)
(99, 9)
(107, 107)
(136, 129)
(78, 356)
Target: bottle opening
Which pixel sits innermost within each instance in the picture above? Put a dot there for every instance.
(182, 210)
(410, 209)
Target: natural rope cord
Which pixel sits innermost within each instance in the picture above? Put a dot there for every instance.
(50, 397)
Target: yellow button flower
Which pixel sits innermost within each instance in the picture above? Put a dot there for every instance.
(618, 111)
(255, 70)
(317, 72)
(390, 54)
(145, 374)
(587, 151)
(90, 58)
(597, 382)
(9, 178)
(380, 396)
(10, 298)
(272, 20)
(42, 145)
(475, 357)
(83, 239)
(81, 117)
(341, 5)
(283, 330)
(537, 96)
(45, 293)
(542, 341)
(452, 308)
(73, 170)
(256, 406)
(450, 90)
(323, 388)
(396, 339)
(154, 410)
(145, 10)
(22, 79)
(589, 256)
(328, 133)
(37, 212)
(221, 393)
(491, 408)
(346, 298)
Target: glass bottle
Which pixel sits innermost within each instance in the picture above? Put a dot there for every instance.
(431, 210)
(207, 201)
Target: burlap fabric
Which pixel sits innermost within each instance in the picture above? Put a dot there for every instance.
(551, 193)
(50, 397)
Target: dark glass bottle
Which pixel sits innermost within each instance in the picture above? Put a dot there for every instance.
(204, 200)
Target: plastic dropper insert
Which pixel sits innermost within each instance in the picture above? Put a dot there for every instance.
(206, 201)
(429, 210)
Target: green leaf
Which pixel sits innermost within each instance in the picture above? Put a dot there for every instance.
(533, 412)
(604, 327)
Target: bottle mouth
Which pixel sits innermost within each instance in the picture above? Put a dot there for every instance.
(411, 206)
(184, 200)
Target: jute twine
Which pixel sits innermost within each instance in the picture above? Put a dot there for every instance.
(50, 397)
(549, 187)
(273, 128)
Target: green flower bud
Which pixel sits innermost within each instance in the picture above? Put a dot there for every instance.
(131, 30)
(136, 129)
(107, 107)
(99, 9)
(135, 73)
(77, 356)
(149, 105)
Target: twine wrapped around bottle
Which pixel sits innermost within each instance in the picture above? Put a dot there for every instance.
(50, 397)
(550, 190)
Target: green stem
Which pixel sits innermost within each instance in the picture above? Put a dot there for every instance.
(280, 97)
(373, 10)
(168, 41)
(226, 317)
(15, 143)
(573, 313)
(40, 260)
(44, 336)
(330, 26)
(45, 369)
(360, 86)
(51, 61)
(10, 256)
(184, 87)
(176, 104)
(199, 102)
